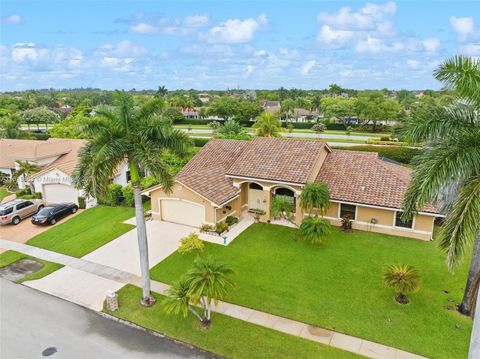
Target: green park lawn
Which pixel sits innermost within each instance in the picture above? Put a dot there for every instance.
(227, 336)
(338, 285)
(85, 232)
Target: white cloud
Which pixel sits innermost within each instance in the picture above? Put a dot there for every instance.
(122, 49)
(463, 26)
(249, 69)
(143, 28)
(413, 64)
(369, 30)
(307, 67)
(470, 49)
(196, 21)
(28, 52)
(11, 19)
(235, 31)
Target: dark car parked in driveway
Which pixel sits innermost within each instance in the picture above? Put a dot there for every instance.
(52, 213)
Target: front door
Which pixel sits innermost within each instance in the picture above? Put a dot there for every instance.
(255, 199)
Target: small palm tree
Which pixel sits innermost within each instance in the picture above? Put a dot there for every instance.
(140, 137)
(209, 281)
(281, 207)
(267, 125)
(314, 229)
(315, 196)
(403, 279)
(179, 301)
(26, 169)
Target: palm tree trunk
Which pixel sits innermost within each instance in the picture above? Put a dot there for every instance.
(475, 339)
(464, 307)
(194, 312)
(147, 298)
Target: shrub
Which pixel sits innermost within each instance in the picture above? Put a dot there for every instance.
(27, 196)
(385, 138)
(191, 243)
(38, 195)
(215, 125)
(200, 142)
(206, 228)
(399, 154)
(314, 229)
(23, 192)
(319, 127)
(347, 223)
(403, 279)
(114, 191)
(231, 220)
(281, 207)
(127, 192)
(221, 227)
(3, 178)
(82, 204)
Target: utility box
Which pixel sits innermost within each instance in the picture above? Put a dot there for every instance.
(112, 300)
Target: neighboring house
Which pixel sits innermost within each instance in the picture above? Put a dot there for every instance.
(57, 159)
(192, 113)
(228, 177)
(272, 107)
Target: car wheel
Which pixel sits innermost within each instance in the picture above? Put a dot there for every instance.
(16, 220)
(53, 221)
(40, 208)
(74, 209)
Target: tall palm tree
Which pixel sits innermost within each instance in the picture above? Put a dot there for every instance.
(315, 196)
(140, 137)
(448, 168)
(267, 125)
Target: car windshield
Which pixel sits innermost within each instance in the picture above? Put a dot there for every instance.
(46, 211)
(5, 211)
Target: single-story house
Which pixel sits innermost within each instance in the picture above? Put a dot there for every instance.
(228, 177)
(57, 159)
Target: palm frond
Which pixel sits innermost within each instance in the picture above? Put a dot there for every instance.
(150, 108)
(463, 75)
(462, 224)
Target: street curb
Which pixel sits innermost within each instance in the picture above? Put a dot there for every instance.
(154, 333)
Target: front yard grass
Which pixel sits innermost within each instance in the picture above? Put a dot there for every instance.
(339, 286)
(85, 232)
(3, 193)
(10, 257)
(226, 336)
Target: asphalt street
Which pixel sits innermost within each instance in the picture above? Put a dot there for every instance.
(32, 321)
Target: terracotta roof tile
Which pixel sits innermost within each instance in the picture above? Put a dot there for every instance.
(361, 177)
(205, 172)
(278, 159)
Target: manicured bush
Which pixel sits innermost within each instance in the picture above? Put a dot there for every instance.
(399, 154)
(206, 228)
(42, 136)
(128, 195)
(221, 227)
(191, 243)
(114, 192)
(147, 182)
(27, 196)
(81, 203)
(23, 192)
(38, 195)
(230, 220)
(200, 142)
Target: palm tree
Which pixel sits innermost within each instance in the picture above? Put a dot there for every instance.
(140, 137)
(161, 91)
(314, 229)
(209, 280)
(282, 207)
(403, 279)
(315, 196)
(267, 125)
(179, 301)
(26, 169)
(448, 169)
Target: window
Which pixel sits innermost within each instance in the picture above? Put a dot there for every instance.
(128, 176)
(347, 210)
(4, 212)
(286, 193)
(255, 186)
(22, 205)
(400, 223)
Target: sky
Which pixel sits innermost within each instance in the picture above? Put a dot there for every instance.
(209, 45)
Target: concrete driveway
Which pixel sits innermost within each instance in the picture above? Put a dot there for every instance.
(88, 289)
(25, 230)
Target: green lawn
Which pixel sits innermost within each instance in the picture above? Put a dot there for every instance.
(228, 337)
(85, 232)
(10, 257)
(3, 193)
(339, 286)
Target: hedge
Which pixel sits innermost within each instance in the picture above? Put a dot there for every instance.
(200, 142)
(399, 154)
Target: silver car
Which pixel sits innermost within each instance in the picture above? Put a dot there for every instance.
(16, 210)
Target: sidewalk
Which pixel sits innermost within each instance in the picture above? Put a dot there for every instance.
(324, 336)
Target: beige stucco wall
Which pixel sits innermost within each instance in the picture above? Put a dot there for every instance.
(182, 192)
(424, 223)
(383, 217)
(234, 210)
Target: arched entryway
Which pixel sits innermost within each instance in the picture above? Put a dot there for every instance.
(285, 193)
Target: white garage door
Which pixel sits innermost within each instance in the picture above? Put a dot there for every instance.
(182, 212)
(59, 193)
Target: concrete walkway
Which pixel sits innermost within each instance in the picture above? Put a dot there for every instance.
(119, 278)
